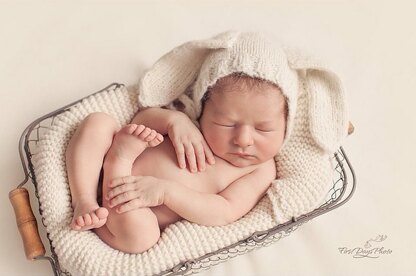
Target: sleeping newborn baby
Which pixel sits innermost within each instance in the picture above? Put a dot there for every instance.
(155, 170)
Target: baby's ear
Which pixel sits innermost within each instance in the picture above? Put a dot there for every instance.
(328, 116)
(170, 76)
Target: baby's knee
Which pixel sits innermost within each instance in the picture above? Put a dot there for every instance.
(100, 125)
(100, 119)
(134, 233)
(136, 244)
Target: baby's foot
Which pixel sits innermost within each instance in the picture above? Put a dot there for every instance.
(132, 140)
(88, 216)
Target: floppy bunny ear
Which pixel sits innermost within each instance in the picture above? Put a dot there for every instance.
(170, 76)
(328, 117)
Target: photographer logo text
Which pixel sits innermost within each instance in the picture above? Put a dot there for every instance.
(372, 249)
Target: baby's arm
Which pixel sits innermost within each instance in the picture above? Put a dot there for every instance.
(226, 207)
(157, 118)
(185, 136)
(232, 203)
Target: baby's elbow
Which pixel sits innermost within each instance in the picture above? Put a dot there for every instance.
(230, 216)
(221, 219)
(225, 214)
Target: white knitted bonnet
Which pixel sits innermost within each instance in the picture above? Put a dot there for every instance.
(212, 59)
(180, 78)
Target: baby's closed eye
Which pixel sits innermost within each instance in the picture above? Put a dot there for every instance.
(265, 129)
(225, 124)
(257, 128)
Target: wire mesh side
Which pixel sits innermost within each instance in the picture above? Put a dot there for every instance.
(243, 247)
(28, 148)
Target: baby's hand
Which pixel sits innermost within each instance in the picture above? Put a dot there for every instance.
(188, 141)
(133, 192)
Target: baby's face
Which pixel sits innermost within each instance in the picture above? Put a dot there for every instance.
(243, 125)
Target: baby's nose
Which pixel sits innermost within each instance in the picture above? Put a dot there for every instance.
(243, 137)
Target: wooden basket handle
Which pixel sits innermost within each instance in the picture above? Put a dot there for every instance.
(26, 223)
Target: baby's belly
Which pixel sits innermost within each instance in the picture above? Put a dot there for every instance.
(161, 162)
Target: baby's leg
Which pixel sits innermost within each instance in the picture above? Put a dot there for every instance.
(137, 230)
(84, 159)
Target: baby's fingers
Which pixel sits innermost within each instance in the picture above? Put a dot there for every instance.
(120, 190)
(200, 157)
(123, 198)
(208, 153)
(180, 155)
(190, 156)
(123, 180)
(128, 206)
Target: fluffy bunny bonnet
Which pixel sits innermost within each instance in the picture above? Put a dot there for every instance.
(183, 75)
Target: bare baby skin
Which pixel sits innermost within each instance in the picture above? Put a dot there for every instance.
(161, 168)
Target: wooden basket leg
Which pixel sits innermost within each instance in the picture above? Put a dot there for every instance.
(26, 223)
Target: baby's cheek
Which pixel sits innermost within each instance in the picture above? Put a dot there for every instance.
(210, 139)
(216, 142)
(271, 148)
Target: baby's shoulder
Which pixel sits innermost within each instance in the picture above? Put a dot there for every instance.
(266, 169)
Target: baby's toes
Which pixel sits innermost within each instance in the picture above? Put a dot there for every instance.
(157, 140)
(146, 132)
(151, 136)
(94, 219)
(87, 219)
(129, 129)
(79, 221)
(139, 130)
(101, 213)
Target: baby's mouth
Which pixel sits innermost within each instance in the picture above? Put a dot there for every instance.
(244, 155)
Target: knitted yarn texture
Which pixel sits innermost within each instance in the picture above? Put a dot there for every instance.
(83, 253)
(197, 65)
(304, 177)
(184, 74)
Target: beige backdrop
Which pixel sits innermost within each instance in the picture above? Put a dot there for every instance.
(54, 53)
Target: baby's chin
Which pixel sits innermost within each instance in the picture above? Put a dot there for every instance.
(241, 162)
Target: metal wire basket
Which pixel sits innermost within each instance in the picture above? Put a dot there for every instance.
(341, 191)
